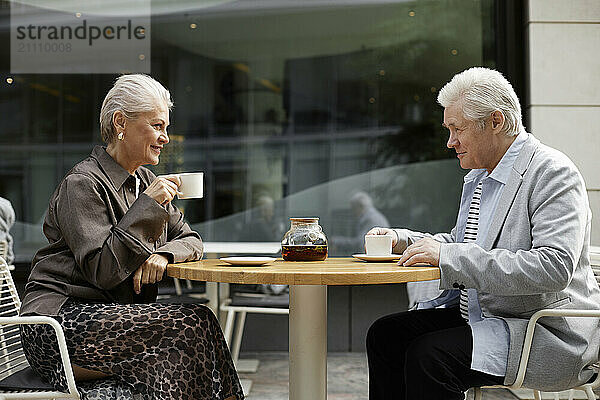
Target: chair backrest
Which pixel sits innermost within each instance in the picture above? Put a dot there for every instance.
(596, 269)
(12, 358)
(595, 261)
(3, 249)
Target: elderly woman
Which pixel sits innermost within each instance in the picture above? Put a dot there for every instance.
(112, 229)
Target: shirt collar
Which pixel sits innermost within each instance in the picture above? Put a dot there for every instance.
(117, 174)
(502, 170)
(474, 174)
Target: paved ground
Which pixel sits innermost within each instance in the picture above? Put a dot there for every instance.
(346, 378)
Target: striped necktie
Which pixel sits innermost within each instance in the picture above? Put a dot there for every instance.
(470, 236)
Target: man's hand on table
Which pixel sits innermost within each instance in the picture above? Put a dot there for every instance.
(151, 271)
(422, 252)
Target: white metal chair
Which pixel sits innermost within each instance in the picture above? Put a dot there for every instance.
(12, 358)
(4, 253)
(549, 313)
(241, 304)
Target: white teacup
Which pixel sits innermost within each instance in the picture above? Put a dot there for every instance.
(192, 185)
(378, 245)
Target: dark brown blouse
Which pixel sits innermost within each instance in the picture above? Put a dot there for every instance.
(99, 233)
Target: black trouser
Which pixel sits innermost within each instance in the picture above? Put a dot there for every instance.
(424, 354)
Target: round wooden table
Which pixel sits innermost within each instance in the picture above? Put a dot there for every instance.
(308, 303)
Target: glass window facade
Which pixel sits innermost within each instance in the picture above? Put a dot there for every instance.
(289, 108)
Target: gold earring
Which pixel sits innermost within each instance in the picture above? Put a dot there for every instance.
(120, 136)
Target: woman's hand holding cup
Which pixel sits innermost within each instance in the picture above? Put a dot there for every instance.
(163, 188)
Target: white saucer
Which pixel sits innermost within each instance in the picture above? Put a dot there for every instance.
(365, 257)
(248, 260)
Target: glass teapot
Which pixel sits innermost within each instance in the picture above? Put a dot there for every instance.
(305, 241)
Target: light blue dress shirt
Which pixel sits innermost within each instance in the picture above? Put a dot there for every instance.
(491, 337)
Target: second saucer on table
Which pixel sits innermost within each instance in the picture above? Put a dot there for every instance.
(256, 261)
(366, 257)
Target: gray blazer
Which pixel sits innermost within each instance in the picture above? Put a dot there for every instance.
(534, 257)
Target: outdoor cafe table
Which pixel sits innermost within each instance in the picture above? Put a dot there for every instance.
(308, 303)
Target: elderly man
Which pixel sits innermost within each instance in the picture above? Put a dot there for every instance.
(367, 216)
(520, 244)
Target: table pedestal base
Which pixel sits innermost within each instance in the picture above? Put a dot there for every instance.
(308, 342)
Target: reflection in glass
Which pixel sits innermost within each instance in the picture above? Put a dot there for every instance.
(301, 105)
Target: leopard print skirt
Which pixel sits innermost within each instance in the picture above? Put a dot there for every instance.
(151, 351)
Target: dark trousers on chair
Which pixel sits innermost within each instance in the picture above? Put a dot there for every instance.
(422, 355)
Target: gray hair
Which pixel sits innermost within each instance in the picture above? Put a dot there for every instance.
(480, 92)
(361, 199)
(265, 201)
(132, 95)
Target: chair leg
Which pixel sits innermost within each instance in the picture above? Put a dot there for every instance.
(590, 393)
(188, 284)
(178, 290)
(229, 327)
(237, 338)
(537, 395)
(477, 395)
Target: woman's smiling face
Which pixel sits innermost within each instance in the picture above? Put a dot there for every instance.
(145, 136)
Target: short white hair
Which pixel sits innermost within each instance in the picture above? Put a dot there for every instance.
(361, 199)
(132, 95)
(480, 92)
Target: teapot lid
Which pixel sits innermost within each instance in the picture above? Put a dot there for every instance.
(305, 220)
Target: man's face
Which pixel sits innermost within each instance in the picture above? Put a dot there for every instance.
(473, 146)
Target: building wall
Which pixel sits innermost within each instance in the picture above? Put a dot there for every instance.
(563, 102)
